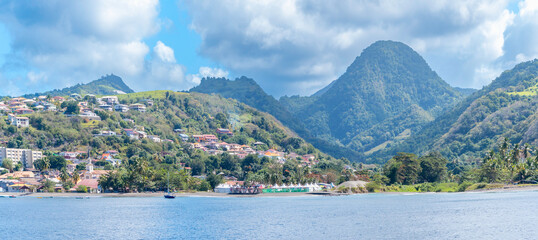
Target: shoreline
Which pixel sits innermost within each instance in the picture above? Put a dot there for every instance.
(161, 194)
(505, 188)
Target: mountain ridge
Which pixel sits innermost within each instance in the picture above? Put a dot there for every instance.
(106, 85)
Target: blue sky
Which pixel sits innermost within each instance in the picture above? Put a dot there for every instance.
(288, 46)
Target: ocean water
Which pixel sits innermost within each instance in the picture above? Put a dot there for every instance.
(509, 215)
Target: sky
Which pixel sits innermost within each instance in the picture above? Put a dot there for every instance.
(290, 47)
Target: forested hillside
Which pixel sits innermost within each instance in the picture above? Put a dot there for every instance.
(504, 109)
(387, 94)
(247, 91)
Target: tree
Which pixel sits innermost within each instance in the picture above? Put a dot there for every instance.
(19, 166)
(48, 185)
(76, 176)
(64, 176)
(8, 164)
(214, 180)
(433, 167)
(403, 168)
(68, 185)
(57, 162)
(71, 107)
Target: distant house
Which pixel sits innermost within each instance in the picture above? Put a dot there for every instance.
(23, 111)
(154, 138)
(210, 138)
(183, 137)
(4, 108)
(69, 155)
(112, 152)
(18, 121)
(58, 99)
(149, 102)
(107, 133)
(110, 100)
(205, 138)
(91, 116)
(198, 138)
(39, 108)
(49, 107)
(224, 131)
(106, 107)
(135, 134)
(121, 108)
(137, 107)
(109, 158)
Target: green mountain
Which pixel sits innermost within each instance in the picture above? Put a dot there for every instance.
(466, 91)
(506, 108)
(106, 85)
(247, 91)
(387, 94)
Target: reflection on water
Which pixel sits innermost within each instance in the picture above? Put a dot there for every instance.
(510, 215)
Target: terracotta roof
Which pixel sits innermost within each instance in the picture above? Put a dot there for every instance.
(93, 183)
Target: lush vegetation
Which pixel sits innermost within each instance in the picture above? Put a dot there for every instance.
(389, 89)
(482, 120)
(249, 92)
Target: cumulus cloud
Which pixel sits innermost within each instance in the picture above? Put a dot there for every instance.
(306, 44)
(204, 72)
(60, 43)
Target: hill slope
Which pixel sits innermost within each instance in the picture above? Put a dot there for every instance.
(505, 108)
(380, 89)
(195, 113)
(106, 85)
(247, 91)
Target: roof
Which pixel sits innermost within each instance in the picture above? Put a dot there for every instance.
(93, 183)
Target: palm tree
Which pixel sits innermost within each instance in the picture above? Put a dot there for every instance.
(64, 176)
(76, 176)
(46, 164)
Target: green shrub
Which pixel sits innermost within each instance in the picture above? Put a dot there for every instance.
(463, 186)
(372, 186)
(82, 189)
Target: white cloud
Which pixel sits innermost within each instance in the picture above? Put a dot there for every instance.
(60, 43)
(164, 53)
(204, 72)
(287, 43)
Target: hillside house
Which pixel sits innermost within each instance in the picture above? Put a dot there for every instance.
(18, 121)
(224, 131)
(20, 111)
(154, 138)
(183, 137)
(137, 107)
(111, 100)
(121, 108)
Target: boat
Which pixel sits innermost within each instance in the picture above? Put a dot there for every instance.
(12, 196)
(168, 195)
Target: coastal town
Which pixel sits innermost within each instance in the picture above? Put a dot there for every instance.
(26, 170)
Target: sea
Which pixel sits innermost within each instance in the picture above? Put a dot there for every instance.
(484, 215)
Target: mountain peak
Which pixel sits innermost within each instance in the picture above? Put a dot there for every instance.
(387, 80)
(106, 85)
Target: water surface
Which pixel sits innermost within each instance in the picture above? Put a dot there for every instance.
(509, 215)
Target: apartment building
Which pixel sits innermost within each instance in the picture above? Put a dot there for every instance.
(26, 156)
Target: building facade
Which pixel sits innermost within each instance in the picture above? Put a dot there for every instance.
(26, 156)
